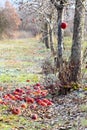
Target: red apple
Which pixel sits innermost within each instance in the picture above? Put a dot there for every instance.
(19, 90)
(43, 104)
(34, 116)
(38, 84)
(12, 97)
(33, 106)
(63, 25)
(43, 93)
(37, 87)
(49, 103)
(27, 80)
(45, 100)
(40, 102)
(17, 93)
(18, 97)
(1, 101)
(29, 100)
(6, 97)
(5, 102)
(24, 105)
(38, 91)
(16, 111)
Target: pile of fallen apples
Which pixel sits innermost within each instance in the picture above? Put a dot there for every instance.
(27, 97)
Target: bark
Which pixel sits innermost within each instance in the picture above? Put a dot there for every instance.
(51, 41)
(51, 35)
(45, 35)
(59, 5)
(60, 39)
(75, 60)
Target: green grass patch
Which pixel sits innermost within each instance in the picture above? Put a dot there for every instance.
(18, 122)
(84, 122)
(19, 78)
(67, 41)
(83, 108)
(5, 78)
(32, 77)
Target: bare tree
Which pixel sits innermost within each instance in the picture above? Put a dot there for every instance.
(59, 5)
(9, 19)
(75, 60)
(3, 22)
(12, 16)
(43, 12)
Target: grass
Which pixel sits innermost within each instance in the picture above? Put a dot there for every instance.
(18, 58)
(10, 122)
(19, 61)
(7, 78)
(84, 122)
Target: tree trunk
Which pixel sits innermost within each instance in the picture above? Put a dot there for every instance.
(51, 35)
(75, 59)
(59, 5)
(45, 35)
(51, 40)
(60, 39)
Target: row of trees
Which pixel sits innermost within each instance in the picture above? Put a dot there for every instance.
(48, 16)
(74, 65)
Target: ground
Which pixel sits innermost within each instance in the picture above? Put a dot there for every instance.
(20, 61)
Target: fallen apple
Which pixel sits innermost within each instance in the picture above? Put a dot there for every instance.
(33, 106)
(29, 100)
(34, 116)
(6, 97)
(18, 97)
(27, 80)
(17, 93)
(38, 84)
(16, 111)
(12, 97)
(24, 105)
(19, 90)
(1, 101)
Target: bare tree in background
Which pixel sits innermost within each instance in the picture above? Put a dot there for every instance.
(3, 22)
(43, 13)
(9, 19)
(12, 16)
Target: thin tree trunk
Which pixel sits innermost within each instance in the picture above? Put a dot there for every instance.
(75, 61)
(59, 5)
(60, 39)
(45, 35)
(51, 35)
(51, 40)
